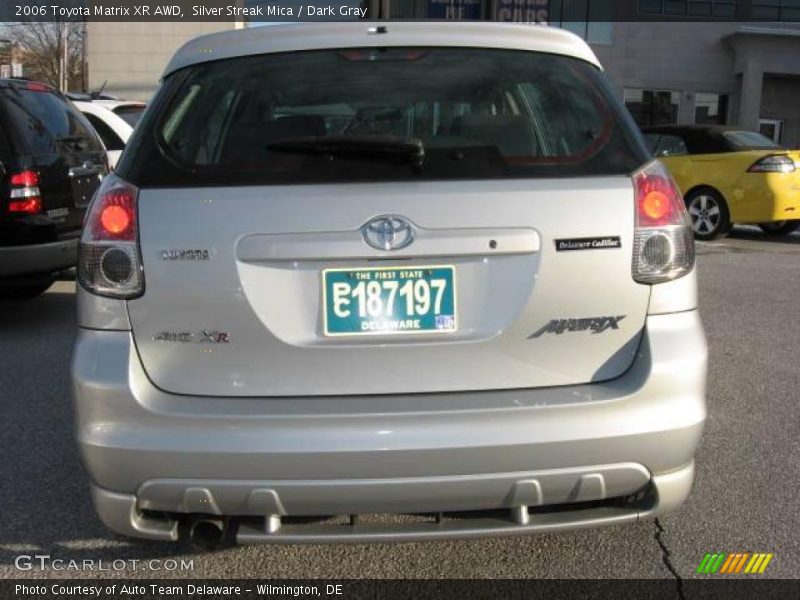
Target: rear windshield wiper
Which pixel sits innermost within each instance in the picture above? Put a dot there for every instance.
(374, 147)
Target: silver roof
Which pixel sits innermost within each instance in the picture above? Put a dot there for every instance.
(292, 37)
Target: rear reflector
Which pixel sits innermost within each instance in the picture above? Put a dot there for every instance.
(109, 260)
(31, 206)
(663, 241)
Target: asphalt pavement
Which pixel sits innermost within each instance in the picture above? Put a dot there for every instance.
(745, 496)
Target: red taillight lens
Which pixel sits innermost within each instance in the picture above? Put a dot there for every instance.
(371, 54)
(113, 215)
(25, 179)
(658, 200)
(35, 86)
(109, 261)
(24, 195)
(655, 206)
(115, 219)
(663, 245)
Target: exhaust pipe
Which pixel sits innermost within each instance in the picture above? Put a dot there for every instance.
(207, 534)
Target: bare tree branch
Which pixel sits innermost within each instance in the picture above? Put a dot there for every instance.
(38, 47)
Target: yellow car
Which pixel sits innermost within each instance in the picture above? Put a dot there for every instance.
(728, 175)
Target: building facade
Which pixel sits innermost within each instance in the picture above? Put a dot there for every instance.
(126, 59)
(672, 61)
(726, 73)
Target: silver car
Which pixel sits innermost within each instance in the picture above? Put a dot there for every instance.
(369, 282)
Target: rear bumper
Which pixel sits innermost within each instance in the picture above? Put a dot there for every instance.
(785, 207)
(763, 198)
(603, 453)
(123, 514)
(38, 258)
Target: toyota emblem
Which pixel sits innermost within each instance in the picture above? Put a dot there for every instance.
(388, 232)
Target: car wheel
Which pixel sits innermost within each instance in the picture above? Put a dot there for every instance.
(780, 227)
(23, 291)
(709, 214)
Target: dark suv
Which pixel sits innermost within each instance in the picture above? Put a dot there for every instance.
(51, 162)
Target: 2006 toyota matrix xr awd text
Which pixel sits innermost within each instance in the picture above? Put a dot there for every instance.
(357, 282)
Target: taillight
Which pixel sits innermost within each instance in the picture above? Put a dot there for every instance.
(25, 179)
(24, 195)
(35, 86)
(663, 246)
(773, 163)
(372, 54)
(109, 261)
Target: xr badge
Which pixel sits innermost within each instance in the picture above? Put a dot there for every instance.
(193, 337)
(593, 324)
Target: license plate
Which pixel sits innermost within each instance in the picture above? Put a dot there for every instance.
(57, 213)
(389, 300)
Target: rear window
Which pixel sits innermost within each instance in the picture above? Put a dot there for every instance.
(41, 122)
(131, 114)
(382, 114)
(749, 140)
(110, 139)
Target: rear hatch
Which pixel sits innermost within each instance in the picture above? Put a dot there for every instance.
(50, 137)
(471, 231)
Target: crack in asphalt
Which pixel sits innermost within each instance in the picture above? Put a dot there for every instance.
(666, 558)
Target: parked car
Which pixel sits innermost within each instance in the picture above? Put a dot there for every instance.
(113, 120)
(129, 110)
(443, 306)
(51, 162)
(728, 175)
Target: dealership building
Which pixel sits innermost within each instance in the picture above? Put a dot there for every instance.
(126, 59)
(671, 61)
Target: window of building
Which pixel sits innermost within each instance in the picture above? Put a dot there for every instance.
(455, 10)
(450, 10)
(723, 9)
(594, 32)
(771, 128)
(590, 19)
(776, 10)
(521, 11)
(650, 108)
(711, 109)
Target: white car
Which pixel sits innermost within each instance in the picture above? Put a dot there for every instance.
(113, 120)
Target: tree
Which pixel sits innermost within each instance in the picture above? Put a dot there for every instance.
(40, 48)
